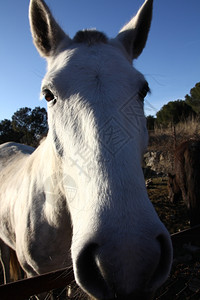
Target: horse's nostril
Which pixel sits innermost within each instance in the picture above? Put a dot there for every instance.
(88, 274)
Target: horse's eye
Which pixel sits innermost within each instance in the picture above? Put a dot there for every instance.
(48, 95)
(144, 91)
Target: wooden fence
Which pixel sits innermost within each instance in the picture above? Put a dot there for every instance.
(25, 288)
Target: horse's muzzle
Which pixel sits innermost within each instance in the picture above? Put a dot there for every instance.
(98, 277)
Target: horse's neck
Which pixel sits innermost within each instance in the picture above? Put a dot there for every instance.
(44, 160)
(31, 190)
(46, 167)
(39, 188)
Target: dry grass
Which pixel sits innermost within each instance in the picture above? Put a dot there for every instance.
(165, 138)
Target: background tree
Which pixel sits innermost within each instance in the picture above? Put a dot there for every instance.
(194, 98)
(7, 133)
(150, 122)
(174, 112)
(27, 126)
(39, 121)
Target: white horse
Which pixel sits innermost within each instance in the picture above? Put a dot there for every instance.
(80, 197)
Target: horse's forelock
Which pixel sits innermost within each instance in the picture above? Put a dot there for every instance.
(90, 37)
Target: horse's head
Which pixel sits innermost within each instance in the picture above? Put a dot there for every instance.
(120, 249)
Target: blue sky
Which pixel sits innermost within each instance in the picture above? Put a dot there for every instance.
(170, 61)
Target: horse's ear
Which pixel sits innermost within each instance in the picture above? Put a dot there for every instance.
(134, 34)
(47, 34)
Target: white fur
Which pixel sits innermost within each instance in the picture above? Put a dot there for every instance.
(81, 194)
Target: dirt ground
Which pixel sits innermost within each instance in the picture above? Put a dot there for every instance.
(184, 280)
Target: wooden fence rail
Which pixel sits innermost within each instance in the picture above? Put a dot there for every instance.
(186, 236)
(25, 288)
